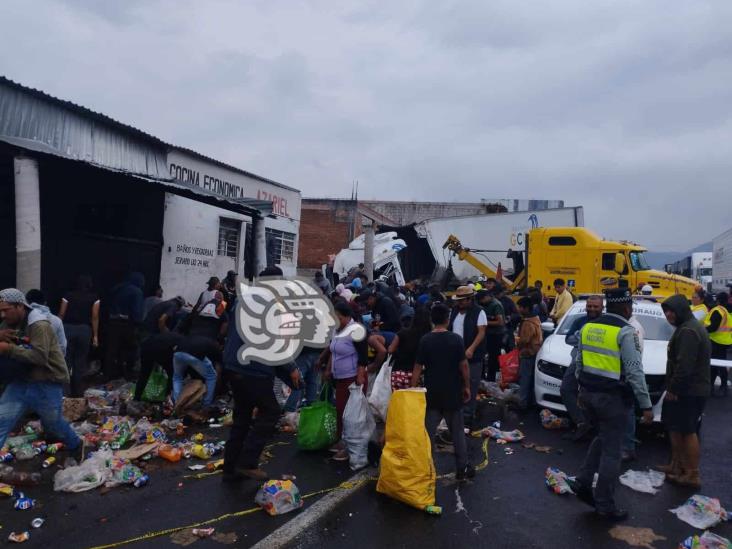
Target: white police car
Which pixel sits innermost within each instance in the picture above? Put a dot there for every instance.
(555, 354)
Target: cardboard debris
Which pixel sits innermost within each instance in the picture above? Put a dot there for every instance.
(136, 452)
(74, 409)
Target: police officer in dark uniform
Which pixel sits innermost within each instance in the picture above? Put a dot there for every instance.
(611, 380)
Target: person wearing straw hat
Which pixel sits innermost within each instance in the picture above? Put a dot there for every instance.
(469, 321)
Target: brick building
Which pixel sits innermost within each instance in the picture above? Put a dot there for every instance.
(329, 225)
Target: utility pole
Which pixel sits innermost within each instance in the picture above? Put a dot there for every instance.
(368, 248)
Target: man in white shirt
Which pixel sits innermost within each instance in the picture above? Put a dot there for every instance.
(469, 321)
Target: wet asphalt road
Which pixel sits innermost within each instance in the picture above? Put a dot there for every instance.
(507, 504)
(95, 518)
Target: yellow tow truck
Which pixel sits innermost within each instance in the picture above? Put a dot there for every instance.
(588, 263)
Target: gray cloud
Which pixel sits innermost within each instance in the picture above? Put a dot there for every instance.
(620, 106)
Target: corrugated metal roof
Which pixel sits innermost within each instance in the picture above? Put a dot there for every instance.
(134, 132)
(247, 206)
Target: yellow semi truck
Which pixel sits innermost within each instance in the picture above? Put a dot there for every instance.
(587, 262)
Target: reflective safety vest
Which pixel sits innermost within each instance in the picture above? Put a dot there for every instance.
(700, 307)
(723, 335)
(600, 350)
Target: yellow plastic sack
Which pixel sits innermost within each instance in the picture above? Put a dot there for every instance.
(407, 472)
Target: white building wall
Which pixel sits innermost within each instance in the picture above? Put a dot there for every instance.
(190, 247)
(191, 229)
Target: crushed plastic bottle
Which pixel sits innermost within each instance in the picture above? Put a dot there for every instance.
(170, 453)
(25, 451)
(16, 478)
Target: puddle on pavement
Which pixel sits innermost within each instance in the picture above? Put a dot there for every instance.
(636, 537)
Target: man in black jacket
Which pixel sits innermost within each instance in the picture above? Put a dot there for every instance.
(687, 388)
(387, 311)
(469, 321)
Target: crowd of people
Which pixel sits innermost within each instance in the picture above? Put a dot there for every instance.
(448, 345)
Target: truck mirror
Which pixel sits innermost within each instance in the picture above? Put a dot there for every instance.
(547, 327)
(619, 263)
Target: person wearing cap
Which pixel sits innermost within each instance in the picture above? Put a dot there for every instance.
(610, 375)
(469, 321)
(33, 352)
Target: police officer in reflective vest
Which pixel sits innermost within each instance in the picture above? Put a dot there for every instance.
(719, 325)
(611, 380)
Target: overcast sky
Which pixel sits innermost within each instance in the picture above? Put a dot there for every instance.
(622, 107)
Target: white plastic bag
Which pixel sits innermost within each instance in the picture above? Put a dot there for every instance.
(381, 393)
(647, 482)
(358, 426)
(701, 512)
(90, 474)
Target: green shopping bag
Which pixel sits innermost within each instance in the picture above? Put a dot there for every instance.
(317, 428)
(157, 386)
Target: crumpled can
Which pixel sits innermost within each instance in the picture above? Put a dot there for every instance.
(23, 504)
(19, 537)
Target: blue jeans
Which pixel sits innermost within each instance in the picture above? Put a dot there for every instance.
(629, 438)
(305, 362)
(181, 363)
(42, 397)
(526, 380)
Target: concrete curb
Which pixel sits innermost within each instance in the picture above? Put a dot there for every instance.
(289, 532)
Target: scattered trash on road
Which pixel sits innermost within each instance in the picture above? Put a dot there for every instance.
(19, 537)
(203, 532)
(278, 497)
(647, 482)
(636, 537)
(543, 449)
(701, 512)
(707, 540)
(496, 434)
(556, 481)
(552, 421)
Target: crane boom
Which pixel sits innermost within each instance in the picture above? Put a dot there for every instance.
(465, 254)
